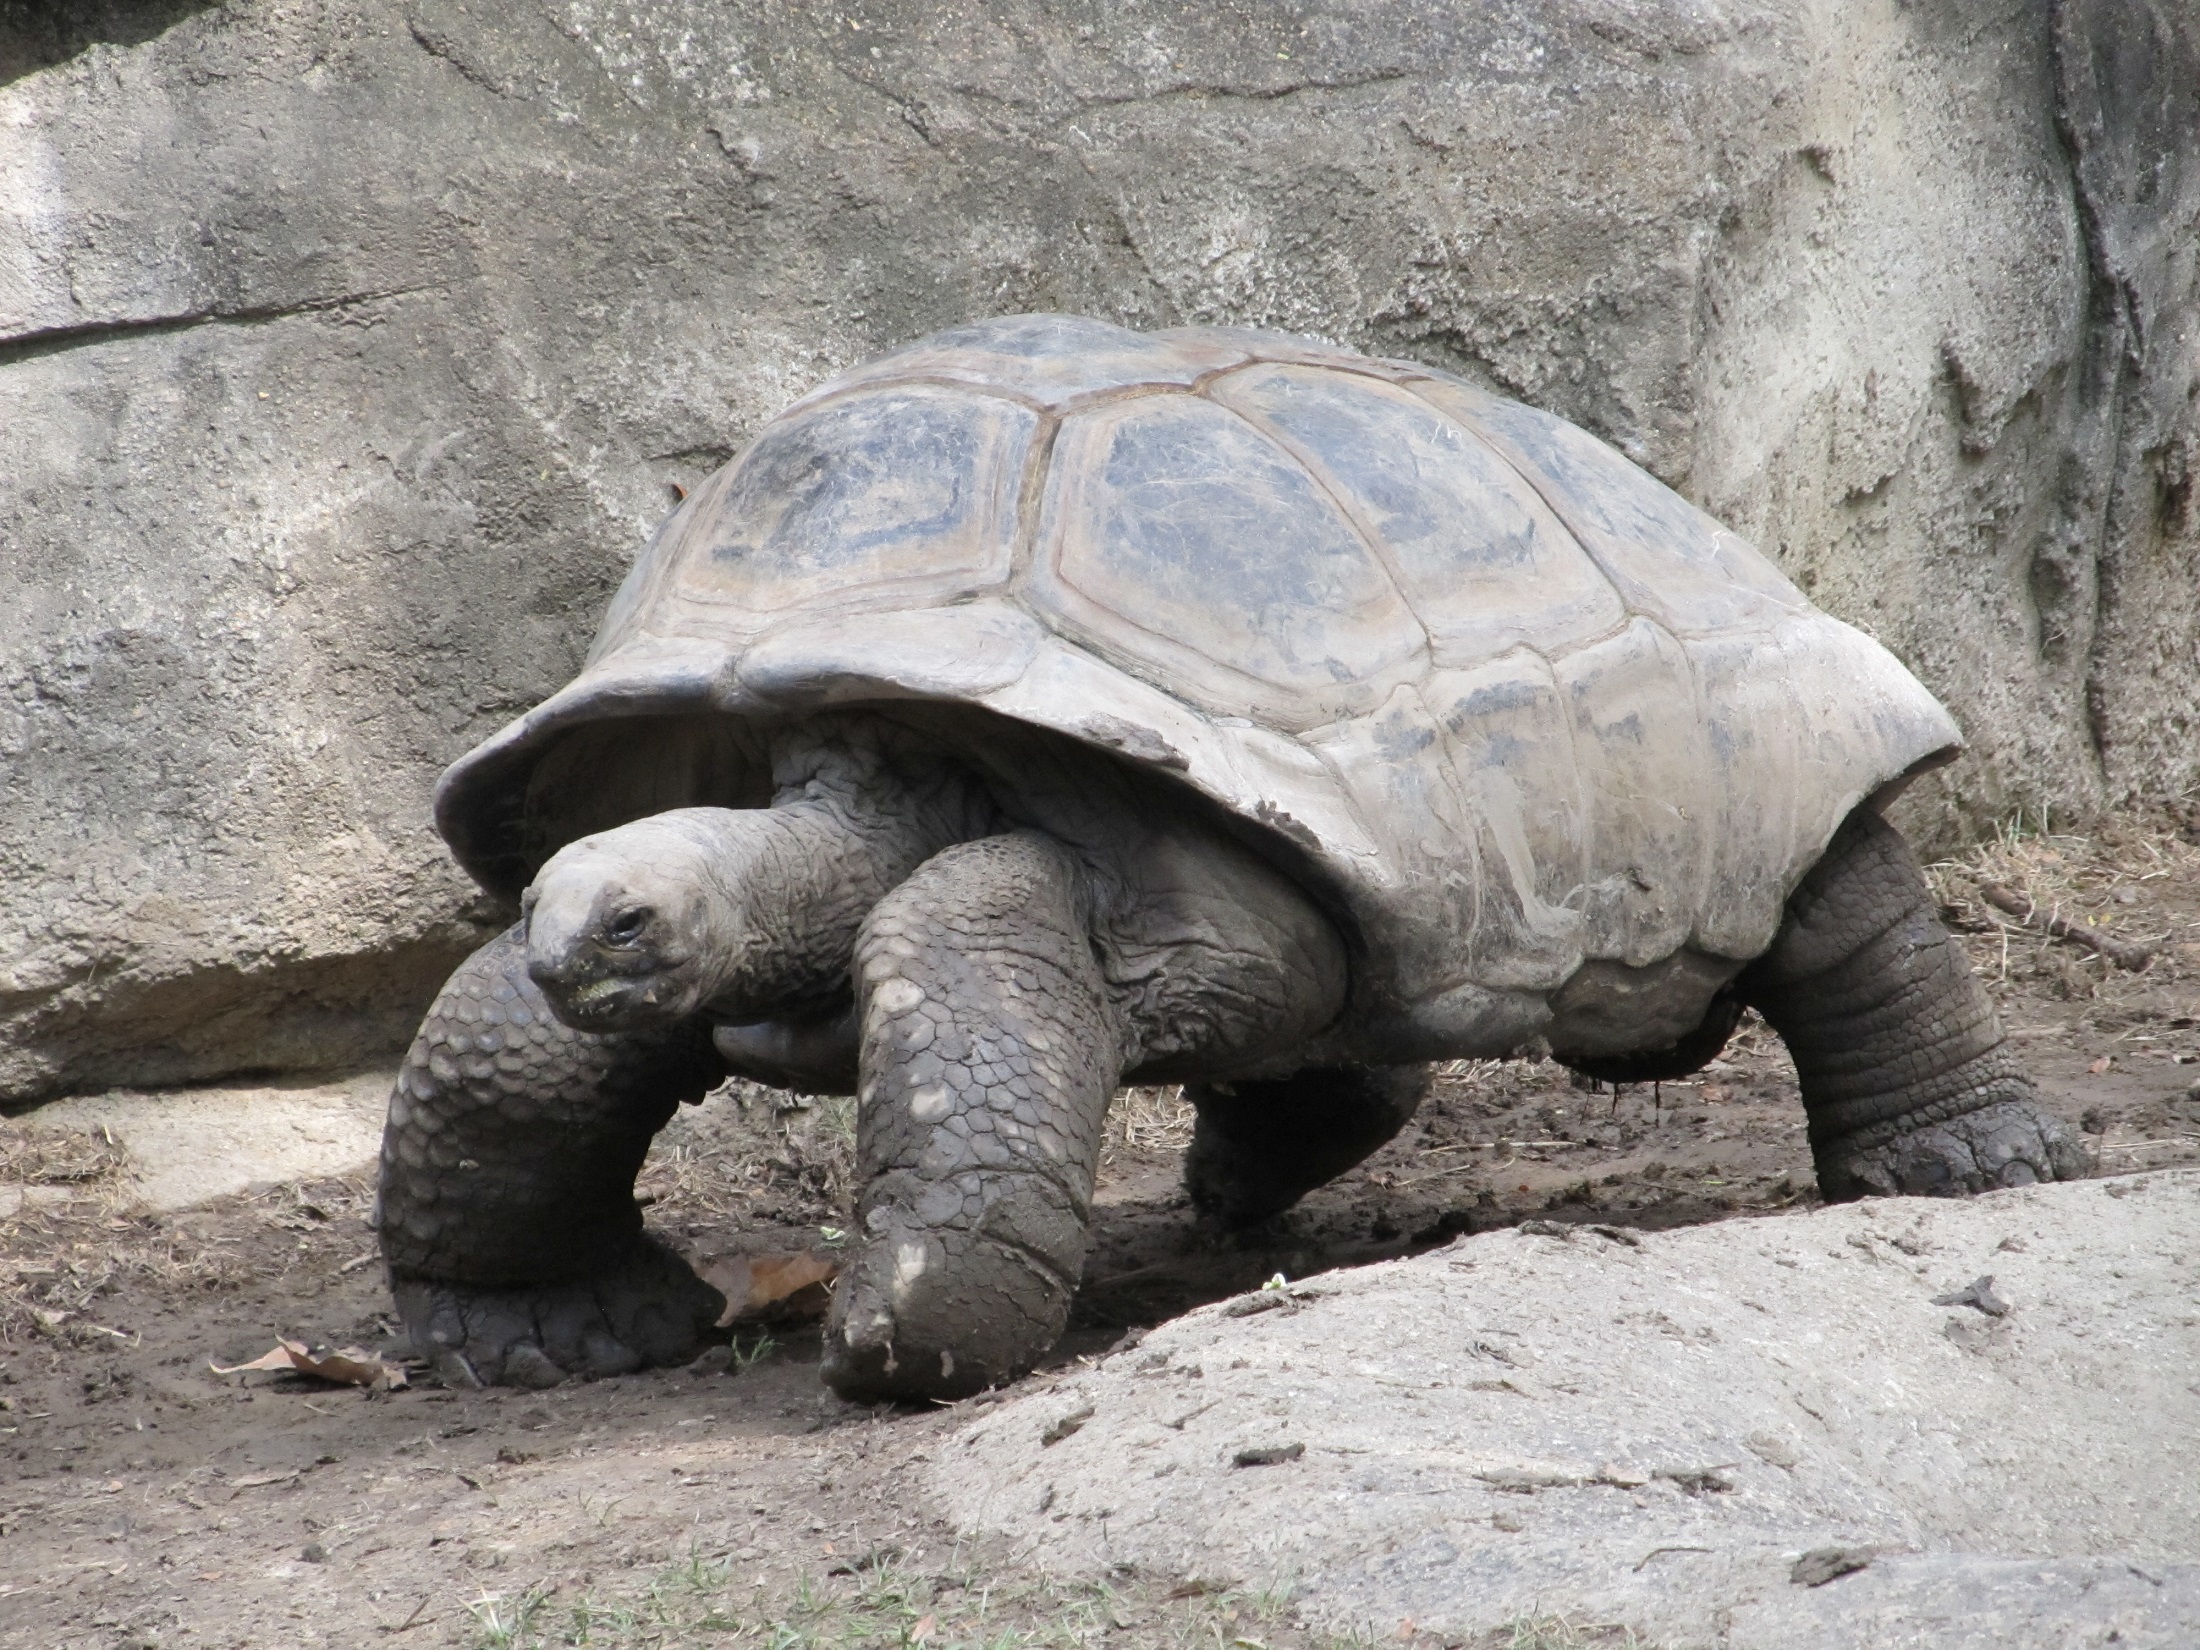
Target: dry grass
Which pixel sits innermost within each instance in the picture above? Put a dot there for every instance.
(971, 1604)
(58, 1157)
(750, 1155)
(1147, 1120)
(2136, 879)
(63, 1254)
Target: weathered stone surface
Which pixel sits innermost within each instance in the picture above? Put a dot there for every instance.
(348, 349)
(230, 1139)
(1658, 1429)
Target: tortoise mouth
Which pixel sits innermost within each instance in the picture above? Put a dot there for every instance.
(614, 1003)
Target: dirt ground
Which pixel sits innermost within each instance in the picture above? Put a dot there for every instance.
(146, 1501)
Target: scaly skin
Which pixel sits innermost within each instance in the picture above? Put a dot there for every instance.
(514, 1247)
(989, 1054)
(1907, 1082)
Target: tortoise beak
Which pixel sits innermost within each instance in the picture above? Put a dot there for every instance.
(592, 985)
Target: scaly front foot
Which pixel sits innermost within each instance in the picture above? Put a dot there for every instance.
(645, 1309)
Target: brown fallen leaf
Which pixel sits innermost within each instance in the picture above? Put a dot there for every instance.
(772, 1288)
(347, 1366)
(2102, 1064)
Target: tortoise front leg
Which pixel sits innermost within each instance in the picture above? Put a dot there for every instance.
(1909, 1086)
(514, 1247)
(989, 1053)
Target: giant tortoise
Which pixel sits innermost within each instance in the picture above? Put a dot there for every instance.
(1049, 706)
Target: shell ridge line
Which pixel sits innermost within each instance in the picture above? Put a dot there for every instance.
(1115, 395)
(1319, 473)
(832, 395)
(1204, 383)
(1030, 507)
(1505, 459)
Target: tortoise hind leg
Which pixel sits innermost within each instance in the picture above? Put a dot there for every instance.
(1258, 1147)
(514, 1247)
(1905, 1077)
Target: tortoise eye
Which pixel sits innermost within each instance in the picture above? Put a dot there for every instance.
(627, 926)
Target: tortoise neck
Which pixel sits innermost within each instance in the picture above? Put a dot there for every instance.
(858, 807)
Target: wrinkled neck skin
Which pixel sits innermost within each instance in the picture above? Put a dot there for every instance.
(857, 805)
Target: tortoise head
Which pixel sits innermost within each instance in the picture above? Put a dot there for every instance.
(625, 929)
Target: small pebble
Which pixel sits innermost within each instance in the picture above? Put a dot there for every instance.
(1823, 1564)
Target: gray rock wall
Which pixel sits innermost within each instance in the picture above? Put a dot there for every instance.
(348, 348)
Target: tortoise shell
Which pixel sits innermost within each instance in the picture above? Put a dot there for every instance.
(1515, 706)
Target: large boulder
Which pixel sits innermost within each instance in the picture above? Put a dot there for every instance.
(348, 350)
(1904, 1422)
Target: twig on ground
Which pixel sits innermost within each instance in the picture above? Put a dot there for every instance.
(2122, 953)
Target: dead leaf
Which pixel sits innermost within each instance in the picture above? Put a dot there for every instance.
(923, 1630)
(278, 1359)
(2102, 1064)
(773, 1288)
(348, 1366)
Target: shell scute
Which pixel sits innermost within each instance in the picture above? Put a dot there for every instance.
(1180, 538)
(904, 493)
(1508, 733)
(1639, 744)
(1668, 560)
(1485, 563)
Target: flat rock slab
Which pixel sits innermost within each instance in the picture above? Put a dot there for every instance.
(1762, 1432)
(187, 1147)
